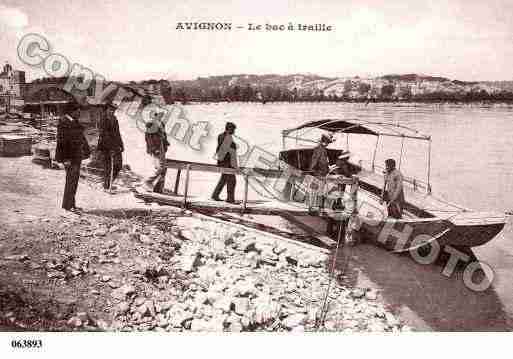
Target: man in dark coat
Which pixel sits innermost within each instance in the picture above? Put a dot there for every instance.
(226, 153)
(111, 146)
(72, 148)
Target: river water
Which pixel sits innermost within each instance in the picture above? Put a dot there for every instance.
(471, 164)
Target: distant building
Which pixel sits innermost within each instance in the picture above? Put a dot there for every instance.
(12, 85)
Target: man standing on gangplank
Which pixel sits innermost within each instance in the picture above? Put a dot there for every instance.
(226, 153)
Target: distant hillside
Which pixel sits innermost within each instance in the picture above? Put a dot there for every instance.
(311, 87)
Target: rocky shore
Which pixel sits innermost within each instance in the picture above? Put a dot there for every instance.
(134, 267)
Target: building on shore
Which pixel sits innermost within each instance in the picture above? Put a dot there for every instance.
(12, 86)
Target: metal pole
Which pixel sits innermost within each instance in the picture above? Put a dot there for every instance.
(245, 202)
(401, 157)
(111, 172)
(187, 170)
(177, 181)
(429, 168)
(374, 154)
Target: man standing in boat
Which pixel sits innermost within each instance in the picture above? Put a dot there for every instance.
(393, 193)
(72, 148)
(320, 167)
(226, 153)
(111, 146)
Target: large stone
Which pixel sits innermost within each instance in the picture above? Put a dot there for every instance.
(151, 307)
(165, 306)
(391, 320)
(17, 257)
(100, 232)
(265, 312)
(223, 303)
(294, 320)
(75, 322)
(122, 308)
(123, 292)
(376, 327)
(358, 293)
(178, 317)
(371, 295)
(235, 327)
(190, 262)
(241, 305)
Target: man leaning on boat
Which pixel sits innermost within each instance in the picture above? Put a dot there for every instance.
(393, 193)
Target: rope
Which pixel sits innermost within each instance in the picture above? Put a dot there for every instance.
(324, 309)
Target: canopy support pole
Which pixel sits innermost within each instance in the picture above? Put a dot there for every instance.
(401, 157)
(374, 153)
(429, 169)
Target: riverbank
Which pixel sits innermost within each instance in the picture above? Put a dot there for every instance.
(124, 265)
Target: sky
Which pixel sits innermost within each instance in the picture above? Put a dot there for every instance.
(134, 40)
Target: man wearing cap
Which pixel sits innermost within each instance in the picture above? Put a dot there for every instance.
(156, 146)
(226, 153)
(111, 146)
(319, 165)
(320, 162)
(393, 193)
(72, 148)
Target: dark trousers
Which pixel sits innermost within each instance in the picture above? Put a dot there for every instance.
(226, 179)
(157, 180)
(70, 188)
(394, 210)
(112, 164)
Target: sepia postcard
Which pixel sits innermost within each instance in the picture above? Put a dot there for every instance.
(321, 169)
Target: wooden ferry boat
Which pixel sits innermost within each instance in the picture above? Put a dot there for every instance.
(426, 218)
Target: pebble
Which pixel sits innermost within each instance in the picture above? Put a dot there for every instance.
(123, 292)
(371, 295)
(122, 308)
(100, 232)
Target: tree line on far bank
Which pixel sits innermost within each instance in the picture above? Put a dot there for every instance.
(279, 94)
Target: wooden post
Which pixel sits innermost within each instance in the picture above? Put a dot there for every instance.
(186, 191)
(246, 187)
(177, 181)
(349, 236)
(354, 193)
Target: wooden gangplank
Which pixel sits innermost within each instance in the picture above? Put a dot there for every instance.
(272, 208)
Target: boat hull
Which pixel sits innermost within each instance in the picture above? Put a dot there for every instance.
(401, 236)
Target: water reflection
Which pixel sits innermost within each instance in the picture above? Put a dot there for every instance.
(423, 297)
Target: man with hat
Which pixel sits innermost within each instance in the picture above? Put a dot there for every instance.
(319, 166)
(72, 148)
(320, 162)
(226, 153)
(156, 146)
(110, 145)
(393, 193)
